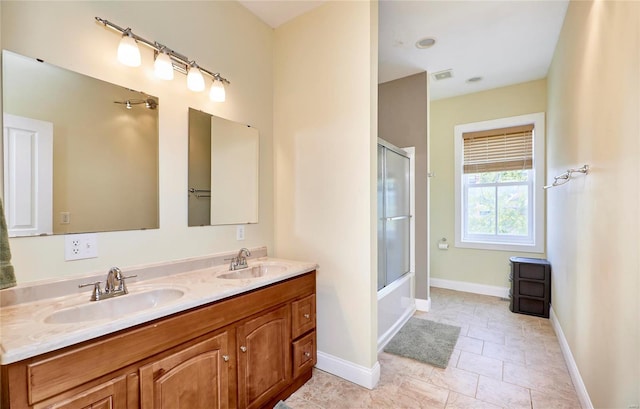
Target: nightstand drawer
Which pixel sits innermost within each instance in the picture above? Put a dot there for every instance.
(531, 306)
(531, 288)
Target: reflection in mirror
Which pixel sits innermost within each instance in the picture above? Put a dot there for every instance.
(223, 171)
(80, 154)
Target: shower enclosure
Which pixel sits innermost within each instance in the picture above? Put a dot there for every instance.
(396, 300)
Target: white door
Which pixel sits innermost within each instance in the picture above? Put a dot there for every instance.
(28, 175)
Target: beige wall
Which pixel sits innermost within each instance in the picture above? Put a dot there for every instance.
(593, 225)
(325, 155)
(402, 121)
(66, 34)
(486, 267)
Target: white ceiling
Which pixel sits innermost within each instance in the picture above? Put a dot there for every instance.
(504, 42)
(278, 12)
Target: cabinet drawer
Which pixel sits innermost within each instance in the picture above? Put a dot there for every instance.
(531, 306)
(303, 315)
(532, 271)
(531, 288)
(304, 354)
(111, 394)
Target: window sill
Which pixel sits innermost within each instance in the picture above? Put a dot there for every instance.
(523, 248)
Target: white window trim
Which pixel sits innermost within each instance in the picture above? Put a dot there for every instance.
(538, 120)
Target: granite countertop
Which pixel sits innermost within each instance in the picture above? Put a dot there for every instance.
(25, 331)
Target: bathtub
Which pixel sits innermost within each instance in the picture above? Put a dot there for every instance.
(396, 304)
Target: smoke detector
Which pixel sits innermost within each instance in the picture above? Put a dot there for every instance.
(425, 42)
(442, 75)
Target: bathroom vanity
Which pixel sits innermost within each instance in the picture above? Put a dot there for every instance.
(250, 343)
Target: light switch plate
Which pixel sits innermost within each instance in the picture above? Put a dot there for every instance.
(240, 233)
(80, 246)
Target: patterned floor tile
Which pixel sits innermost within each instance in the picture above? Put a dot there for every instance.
(501, 360)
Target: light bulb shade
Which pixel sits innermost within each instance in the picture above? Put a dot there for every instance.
(217, 92)
(128, 52)
(195, 80)
(163, 67)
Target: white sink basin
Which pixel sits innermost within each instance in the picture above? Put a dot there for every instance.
(256, 271)
(117, 307)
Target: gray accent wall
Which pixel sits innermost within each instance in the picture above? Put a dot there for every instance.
(403, 121)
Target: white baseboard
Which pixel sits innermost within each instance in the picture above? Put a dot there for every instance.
(360, 375)
(581, 389)
(467, 287)
(423, 305)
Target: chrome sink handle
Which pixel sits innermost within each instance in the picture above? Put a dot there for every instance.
(114, 286)
(241, 258)
(119, 278)
(240, 261)
(96, 294)
(110, 284)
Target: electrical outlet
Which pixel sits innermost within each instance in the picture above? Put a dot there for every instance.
(80, 246)
(240, 233)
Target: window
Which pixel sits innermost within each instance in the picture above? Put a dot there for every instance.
(499, 171)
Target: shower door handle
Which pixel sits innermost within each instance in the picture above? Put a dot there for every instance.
(389, 219)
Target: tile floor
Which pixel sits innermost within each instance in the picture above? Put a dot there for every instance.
(501, 360)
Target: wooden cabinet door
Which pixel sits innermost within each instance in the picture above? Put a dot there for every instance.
(264, 357)
(196, 377)
(109, 395)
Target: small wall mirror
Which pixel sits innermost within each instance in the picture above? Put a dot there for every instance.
(80, 154)
(223, 171)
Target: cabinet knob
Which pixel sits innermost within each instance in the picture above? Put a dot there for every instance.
(225, 358)
(307, 316)
(243, 348)
(307, 354)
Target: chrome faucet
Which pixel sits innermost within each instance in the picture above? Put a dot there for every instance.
(114, 286)
(240, 261)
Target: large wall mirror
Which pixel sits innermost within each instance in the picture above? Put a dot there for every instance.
(223, 171)
(80, 154)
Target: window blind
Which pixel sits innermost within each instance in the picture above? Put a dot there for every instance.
(497, 150)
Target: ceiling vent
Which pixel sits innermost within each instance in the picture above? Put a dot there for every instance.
(442, 75)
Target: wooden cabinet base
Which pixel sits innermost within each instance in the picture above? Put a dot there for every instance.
(193, 356)
(109, 395)
(294, 386)
(193, 377)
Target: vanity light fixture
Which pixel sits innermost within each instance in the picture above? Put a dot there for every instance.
(162, 66)
(128, 51)
(166, 61)
(149, 103)
(195, 80)
(217, 92)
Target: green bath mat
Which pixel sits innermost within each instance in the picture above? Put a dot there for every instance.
(281, 405)
(425, 341)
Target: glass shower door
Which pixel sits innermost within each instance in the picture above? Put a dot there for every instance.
(394, 224)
